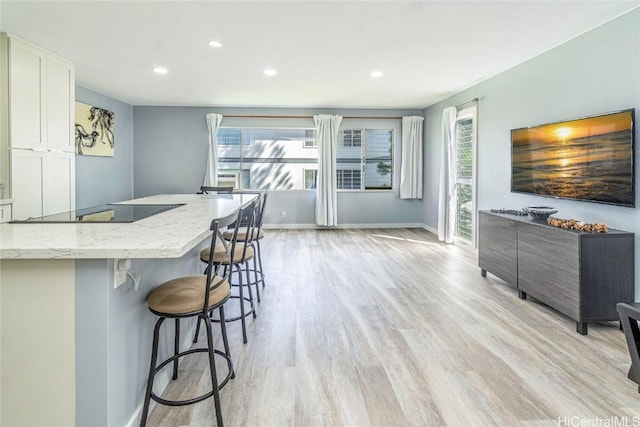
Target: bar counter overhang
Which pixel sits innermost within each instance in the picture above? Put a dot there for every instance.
(75, 345)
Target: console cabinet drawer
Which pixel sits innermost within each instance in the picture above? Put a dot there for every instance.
(549, 267)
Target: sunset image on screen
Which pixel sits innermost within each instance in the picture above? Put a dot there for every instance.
(586, 159)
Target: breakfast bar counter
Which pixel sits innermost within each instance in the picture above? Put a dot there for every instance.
(76, 333)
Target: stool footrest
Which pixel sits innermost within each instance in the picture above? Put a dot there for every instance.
(199, 398)
(247, 313)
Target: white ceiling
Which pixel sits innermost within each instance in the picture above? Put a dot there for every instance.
(323, 50)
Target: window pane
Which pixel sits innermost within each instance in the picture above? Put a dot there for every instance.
(379, 165)
(464, 211)
(351, 138)
(464, 138)
(464, 178)
(349, 160)
(349, 179)
(271, 159)
(310, 138)
(310, 179)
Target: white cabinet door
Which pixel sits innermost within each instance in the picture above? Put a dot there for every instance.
(26, 77)
(27, 173)
(60, 104)
(43, 183)
(59, 189)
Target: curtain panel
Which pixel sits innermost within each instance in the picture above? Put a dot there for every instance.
(327, 126)
(411, 158)
(447, 194)
(211, 174)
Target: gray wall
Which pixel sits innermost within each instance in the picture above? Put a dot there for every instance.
(171, 148)
(595, 73)
(106, 179)
(113, 341)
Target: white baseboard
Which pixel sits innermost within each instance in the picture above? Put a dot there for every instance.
(344, 226)
(430, 229)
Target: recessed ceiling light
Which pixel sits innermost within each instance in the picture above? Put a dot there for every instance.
(376, 74)
(270, 72)
(160, 70)
(215, 43)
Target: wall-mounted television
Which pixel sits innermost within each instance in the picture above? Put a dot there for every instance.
(589, 159)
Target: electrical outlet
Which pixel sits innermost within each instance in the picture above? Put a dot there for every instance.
(267, 214)
(120, 269)
(283, 214)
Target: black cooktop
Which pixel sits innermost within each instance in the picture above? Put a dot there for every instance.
(103, 214)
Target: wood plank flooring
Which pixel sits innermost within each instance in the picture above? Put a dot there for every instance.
(392, 328)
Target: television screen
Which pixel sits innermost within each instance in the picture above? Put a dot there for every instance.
(588, 159)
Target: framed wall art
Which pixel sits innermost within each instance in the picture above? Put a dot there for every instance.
(93, 131)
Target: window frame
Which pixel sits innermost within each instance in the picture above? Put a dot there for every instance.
(362, 137)
(239, 170)
(304, 179)
(363, 159)
(464, 114)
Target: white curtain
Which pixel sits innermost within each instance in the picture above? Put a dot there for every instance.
(327, 126)
(447, 195)
(411, 165)
(213, 123)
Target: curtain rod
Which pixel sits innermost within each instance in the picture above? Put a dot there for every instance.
(475, 100)
(305, 117)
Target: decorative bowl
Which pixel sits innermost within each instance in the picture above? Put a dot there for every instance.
(540, 212)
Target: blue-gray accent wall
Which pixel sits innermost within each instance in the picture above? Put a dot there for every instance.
(594, 73)
(106, 179)
(170, 154)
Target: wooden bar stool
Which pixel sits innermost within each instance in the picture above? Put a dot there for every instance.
(193, 296)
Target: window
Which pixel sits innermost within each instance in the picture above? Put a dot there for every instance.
(465, 144)
(287, 159)
(260, 159)
(310, 179)
(351, 138)
(349, 179)
(231, 137)
(310, 139)
(364, 160)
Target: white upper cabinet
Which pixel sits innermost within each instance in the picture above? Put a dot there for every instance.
(26, 75)
(39, 146)
(41, 90)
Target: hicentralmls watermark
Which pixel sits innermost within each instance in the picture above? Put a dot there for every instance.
(614, 421)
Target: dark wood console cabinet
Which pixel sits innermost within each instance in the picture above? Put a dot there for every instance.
(582, 275)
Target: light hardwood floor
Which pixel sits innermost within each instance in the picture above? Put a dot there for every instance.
(391, 328)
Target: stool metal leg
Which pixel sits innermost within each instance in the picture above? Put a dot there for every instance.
(255, 275)
(225, 341)
(176, 348)
(244, 327)
(248, 274)
(195, 336)
(259, 255)
(152, 372)
(212, 368)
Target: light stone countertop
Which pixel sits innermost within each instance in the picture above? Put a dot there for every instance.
(169, 234)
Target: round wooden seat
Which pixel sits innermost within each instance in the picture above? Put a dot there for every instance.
(185, 295)
(242, 235)
(220, 256)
